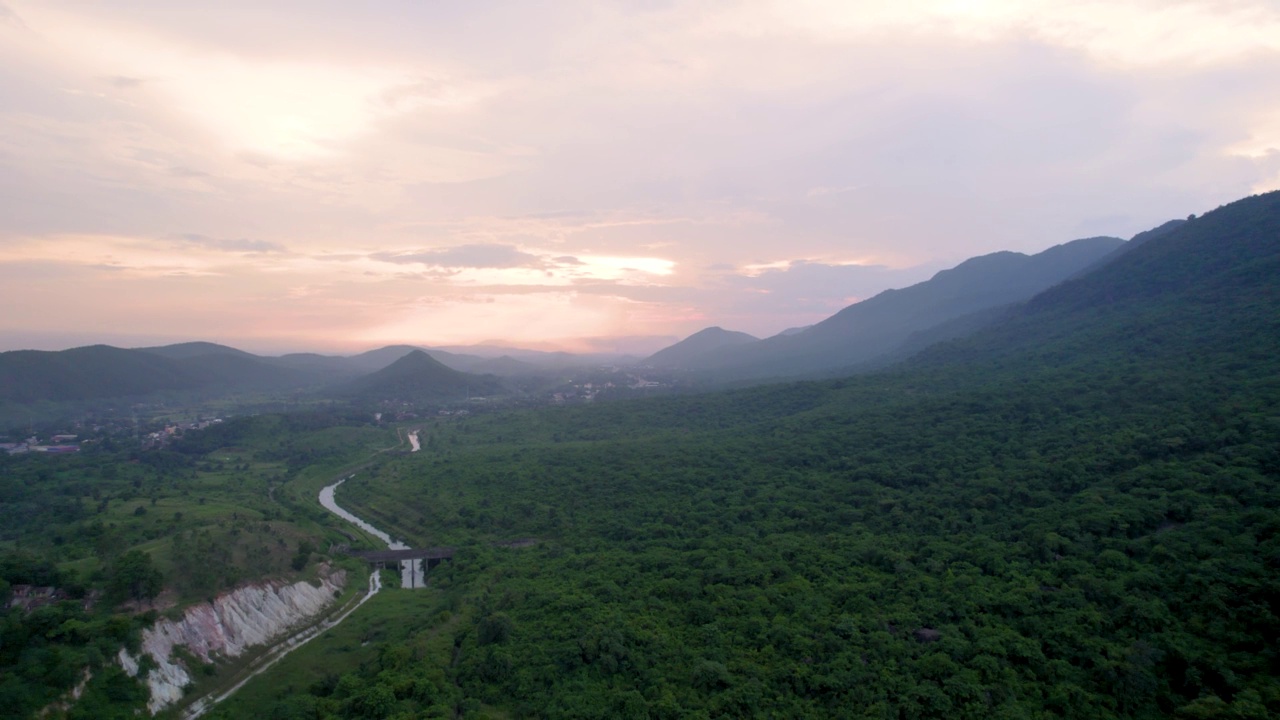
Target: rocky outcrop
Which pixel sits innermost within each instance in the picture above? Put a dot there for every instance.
(225, 628)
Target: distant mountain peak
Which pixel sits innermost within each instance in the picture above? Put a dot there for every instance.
(198, 348)
(707, 340)
(418, 362)
(717, 331)
(416, 376)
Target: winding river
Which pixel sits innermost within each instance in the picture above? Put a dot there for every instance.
(409, 580)
(410, 574)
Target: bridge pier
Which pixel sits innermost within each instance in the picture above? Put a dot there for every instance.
(411, 561)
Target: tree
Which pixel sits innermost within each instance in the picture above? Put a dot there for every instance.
(134, 576)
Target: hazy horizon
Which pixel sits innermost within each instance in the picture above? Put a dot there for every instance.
(329, 177)
(615, 346)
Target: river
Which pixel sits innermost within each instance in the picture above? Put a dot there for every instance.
(408, 576)
(410, 573)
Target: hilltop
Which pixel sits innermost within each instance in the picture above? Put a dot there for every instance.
(418, 377)
(687, 352)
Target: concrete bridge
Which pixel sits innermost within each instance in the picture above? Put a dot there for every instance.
(429, 557)
(432, 556)
(407, 561)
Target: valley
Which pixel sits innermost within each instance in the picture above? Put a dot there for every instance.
(640, 360)
(1067, 507)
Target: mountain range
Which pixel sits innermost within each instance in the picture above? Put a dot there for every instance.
(1195, 292)
(990, 291)
(208, 369)
(953, 302)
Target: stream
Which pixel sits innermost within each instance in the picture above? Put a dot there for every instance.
(410, 574)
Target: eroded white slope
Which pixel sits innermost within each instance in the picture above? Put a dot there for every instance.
(233, 622)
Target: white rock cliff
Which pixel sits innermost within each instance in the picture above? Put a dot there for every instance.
(233, 622)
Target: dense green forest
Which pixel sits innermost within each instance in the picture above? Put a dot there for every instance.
(1067, 559)
(1072, 514)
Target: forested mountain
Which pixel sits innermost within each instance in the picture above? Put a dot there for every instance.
(229, 372)
(1072, 513)
(95, 371)
(102, 371)
(687, 352)
(1155, 232)
(183, 351)
(336, 366)
(378, 358)
(1197, 290)
(419, 377)
(879, 325)
(323, 368)
(541, 358)
(504, 366)
(227, 368)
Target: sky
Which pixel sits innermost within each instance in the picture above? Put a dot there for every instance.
(590, 176)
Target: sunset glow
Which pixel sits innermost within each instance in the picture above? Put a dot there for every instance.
(284, 176)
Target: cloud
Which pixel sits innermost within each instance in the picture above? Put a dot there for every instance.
(9, 17)
(771, 297)
(1129, 32)
(230, 245)
(466, 256)
(762, 299)
(821, 191)
(751, 163)
(817, 288)
(495, 265)
(123, 82)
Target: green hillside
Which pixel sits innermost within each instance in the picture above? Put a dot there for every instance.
(879, 326)
(1202, 293)
(89, 372)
